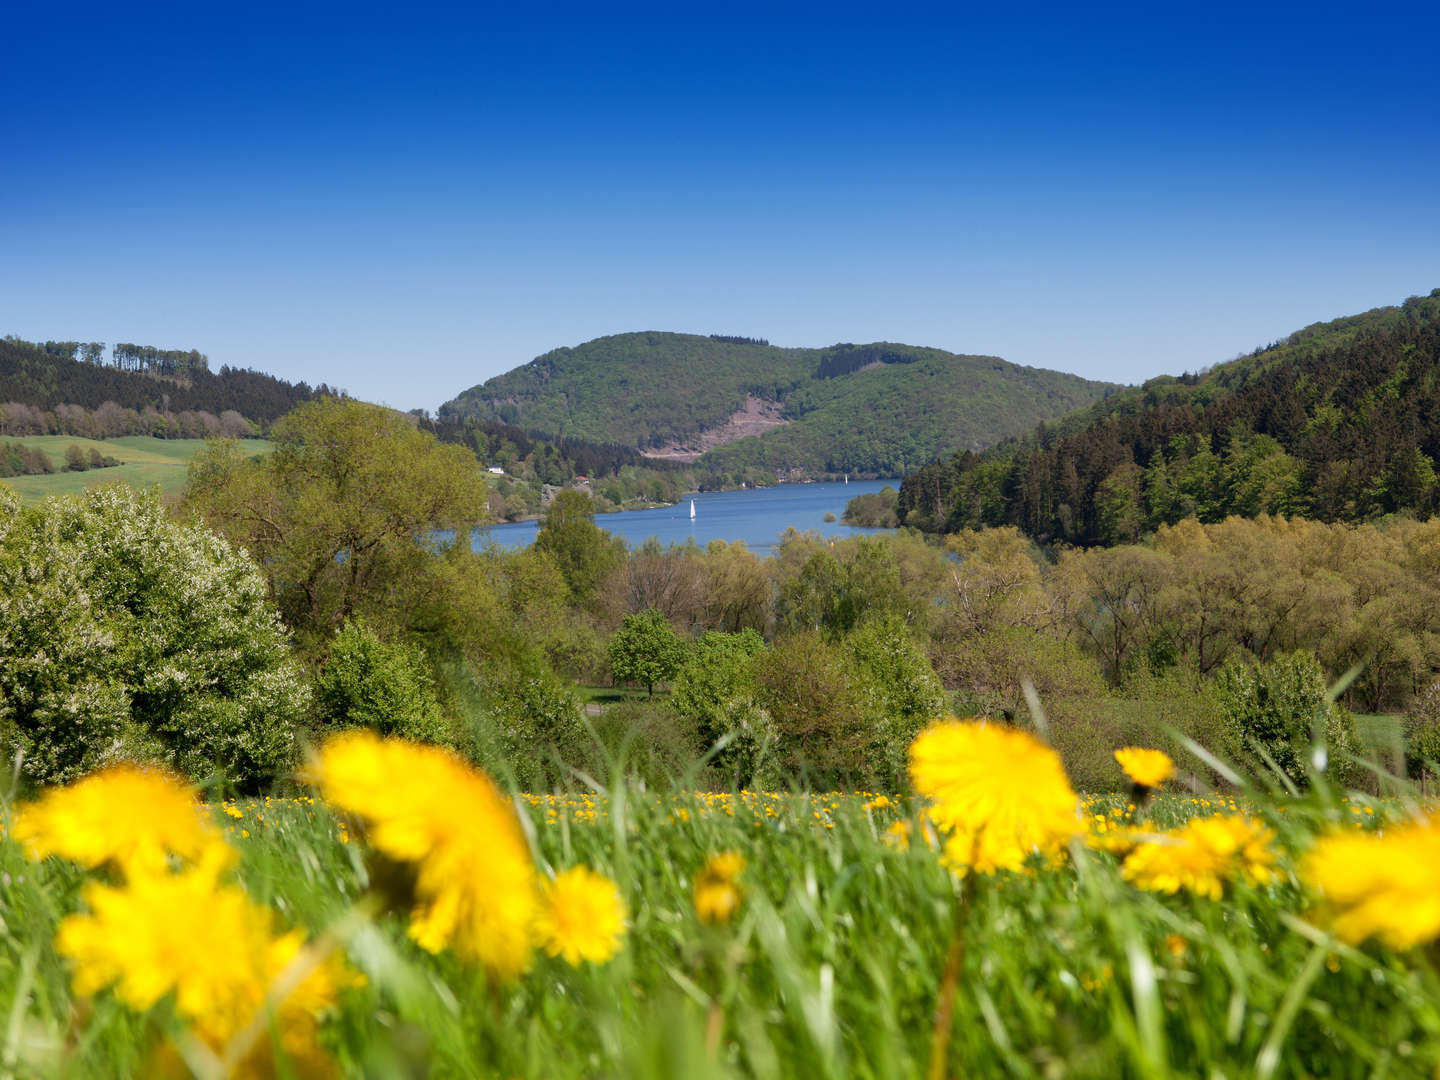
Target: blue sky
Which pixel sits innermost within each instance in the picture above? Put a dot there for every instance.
(403, 200)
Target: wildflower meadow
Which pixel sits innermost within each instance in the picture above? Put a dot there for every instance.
(403, 914)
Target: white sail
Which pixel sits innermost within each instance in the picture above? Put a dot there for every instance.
(692, 509)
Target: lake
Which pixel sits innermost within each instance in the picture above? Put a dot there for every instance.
(755, 515)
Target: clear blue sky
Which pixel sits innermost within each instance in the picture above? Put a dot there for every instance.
(404, 201)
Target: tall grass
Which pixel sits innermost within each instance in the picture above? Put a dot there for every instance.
(831, 968)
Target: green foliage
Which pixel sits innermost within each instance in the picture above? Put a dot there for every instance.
(833, 590)
(1421, 728)
(125, 635)
(387, 686)
(874, 510)
(530, 725)
(64, 388)
(1278, 710)
(899, 693)
(874, 409)
(584, 552)
(646, 742)
(1336, 422)
(715, 694)
(806, 685)
(645, 650)
(343, 514)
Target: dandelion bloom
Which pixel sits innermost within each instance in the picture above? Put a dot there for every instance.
(717, 888)
(897, 834)
(583, 917)
(999, 793)
(1202, 855)
(1147, 768)
(475, 884)
(131, 816)
(1380, 885)
(206, 943)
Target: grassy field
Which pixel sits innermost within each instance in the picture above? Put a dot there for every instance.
(831, 967)
(146, 462)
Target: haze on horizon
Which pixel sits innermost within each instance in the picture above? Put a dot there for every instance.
(407, 203)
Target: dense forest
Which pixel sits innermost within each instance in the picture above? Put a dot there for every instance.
(1340, 422)
(619, 477)
(65, 388)
(861, 409)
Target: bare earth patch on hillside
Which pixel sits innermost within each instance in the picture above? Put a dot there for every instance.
(755, 418)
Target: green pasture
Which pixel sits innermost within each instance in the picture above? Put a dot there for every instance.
(147, 462)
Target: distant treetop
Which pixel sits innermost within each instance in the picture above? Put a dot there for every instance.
(736, 339)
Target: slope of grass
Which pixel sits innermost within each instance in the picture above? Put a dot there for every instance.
(145, 462)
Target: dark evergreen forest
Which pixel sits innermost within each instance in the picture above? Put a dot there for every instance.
(45, 388)
(1339, 422)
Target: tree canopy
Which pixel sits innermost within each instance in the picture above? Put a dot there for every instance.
(354, 500)
(126, 635)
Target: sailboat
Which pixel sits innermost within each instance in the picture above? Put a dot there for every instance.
(692, 509)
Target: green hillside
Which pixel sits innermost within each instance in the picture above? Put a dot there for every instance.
(145, 461)
(878, 408)
(1340, 421)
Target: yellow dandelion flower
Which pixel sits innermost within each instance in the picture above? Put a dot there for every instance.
(1384, 885)
(1202, 855)
(717, 888)
(131, 816)
(207, 944)
(475, 883)
(897, 835)
(999, 793)
(1147, 768)
(583, 917)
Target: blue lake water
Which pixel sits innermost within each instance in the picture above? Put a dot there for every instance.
(756, 515)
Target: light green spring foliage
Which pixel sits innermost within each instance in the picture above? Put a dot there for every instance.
(1274, 709)
(585, 553)
(645, 650)
(715, 693)
(386, 686)
(830, 970)
(899, 693)
(124, 634)
(342, 514)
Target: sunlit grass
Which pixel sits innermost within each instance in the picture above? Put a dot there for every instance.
(831, 967)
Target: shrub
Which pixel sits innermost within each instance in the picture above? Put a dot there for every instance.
(900, 694)
(804, 684)
(540, 726)
(387, 686)
(1422, 732)
(126, 635)
(648, 742)
(715, 695)
(1271, 710)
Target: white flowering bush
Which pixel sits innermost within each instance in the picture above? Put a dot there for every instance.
(126, 635)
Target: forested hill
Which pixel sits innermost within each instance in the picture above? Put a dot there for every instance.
(70, 388)
(1340, 421)
(741, 404)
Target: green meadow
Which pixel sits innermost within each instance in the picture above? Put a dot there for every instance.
(146, 462)
(831, 967)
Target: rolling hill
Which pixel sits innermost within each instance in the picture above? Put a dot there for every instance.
(735, 404)
(1339, 421)
(144, 462)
